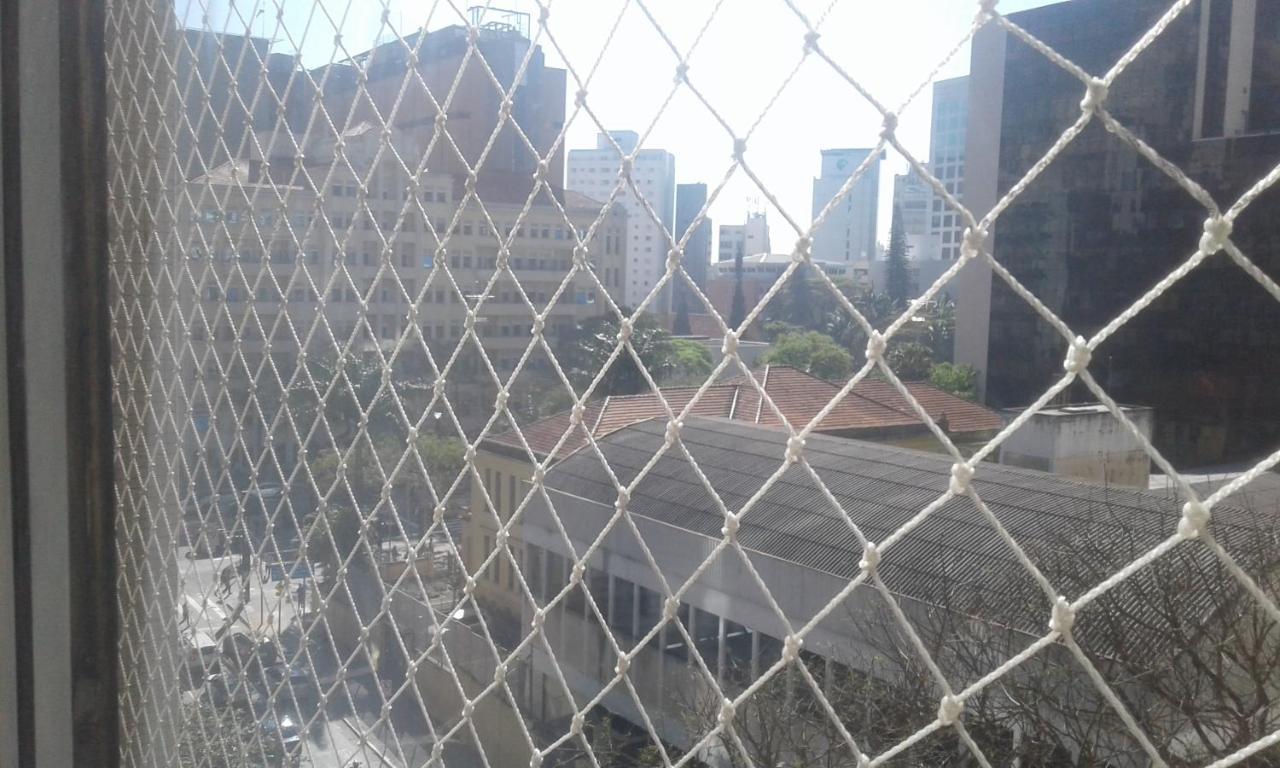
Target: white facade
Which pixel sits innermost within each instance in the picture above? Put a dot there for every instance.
(745, 239)
(733, 239)
(946, 160)
(594, 173)
(912, 197)
(849, 231)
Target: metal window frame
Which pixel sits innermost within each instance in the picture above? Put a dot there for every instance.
(58, 620)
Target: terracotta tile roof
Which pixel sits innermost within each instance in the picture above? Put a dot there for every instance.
(872, 405)
(799, 396)
(962, 416)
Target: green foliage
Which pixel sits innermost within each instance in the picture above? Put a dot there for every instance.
(959, 380)
(587, 351)
(911, 361)
(361, 386)
(898, 274)
(811, 352)
(690, 363)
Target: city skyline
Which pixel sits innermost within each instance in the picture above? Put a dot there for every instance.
(784, 153)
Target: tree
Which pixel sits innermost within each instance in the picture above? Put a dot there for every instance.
(690, 363)
(811, 352)
(800, 307)
(897, 272)
(910, 361)
(738, 311)
(1192, 656)
(681, 325)
(960, 380)
(587, 350)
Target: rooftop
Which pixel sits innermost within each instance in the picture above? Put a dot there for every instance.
(1076, 533)
(872, 406)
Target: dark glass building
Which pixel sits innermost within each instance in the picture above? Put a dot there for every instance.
(690, 198)
(1103, 225)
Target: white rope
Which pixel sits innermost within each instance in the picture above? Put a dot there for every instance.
(162, 265)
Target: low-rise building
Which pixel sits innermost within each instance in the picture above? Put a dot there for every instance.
(872, 410)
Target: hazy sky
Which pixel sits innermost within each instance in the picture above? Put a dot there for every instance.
(747, 50)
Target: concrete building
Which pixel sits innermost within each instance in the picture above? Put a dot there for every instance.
(286, 268)
(762, 270)
(849, 231)
(594, 173)
(802, 547)
(388, 91)
(1082, 441)
(1101, 226)
(745, 239)
(872, 410)
(690, 199)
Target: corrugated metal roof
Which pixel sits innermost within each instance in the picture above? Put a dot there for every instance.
(1077, 534)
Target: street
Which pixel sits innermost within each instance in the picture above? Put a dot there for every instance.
(264, 607)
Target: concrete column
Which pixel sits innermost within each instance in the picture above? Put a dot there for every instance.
(720, 653)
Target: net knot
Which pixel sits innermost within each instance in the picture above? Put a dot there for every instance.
(739, 149)
(730, 529)
(535, 760)
(1063, 617)
(795, 447)
(669, 608)
(875, 347)
(624, 499)
(726, 713)
(673, 431)
(674, 257)
(1216, 231)
(622, 666)
(682, 72)
(1094, 95)
(1195, 518)
(624, 330)
(580, 98)
(730, 346)
(576, 724)
(791, 648)
(961, 475)
(1078, 356)
(973, 241)
(811, 41)
(888, 125)
(870, 558)
(575, 415)
(803, 248)
(950, 709)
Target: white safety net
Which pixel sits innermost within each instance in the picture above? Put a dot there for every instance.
(335, 284)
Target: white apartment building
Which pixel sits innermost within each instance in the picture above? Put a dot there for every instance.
(745, 239)
(849, 231)
(594, 173)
